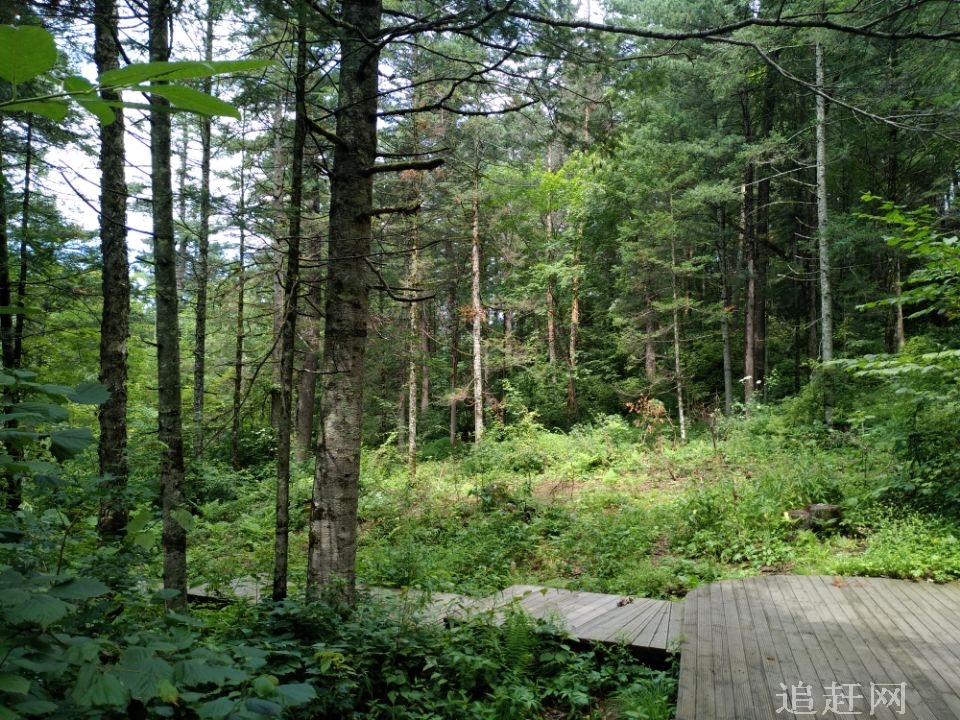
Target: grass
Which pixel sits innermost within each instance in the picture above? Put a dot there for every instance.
(600, 510)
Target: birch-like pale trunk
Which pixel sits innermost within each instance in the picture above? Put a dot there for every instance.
(826, 294)
(477, 311)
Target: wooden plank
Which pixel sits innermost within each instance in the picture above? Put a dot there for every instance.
(689, 658)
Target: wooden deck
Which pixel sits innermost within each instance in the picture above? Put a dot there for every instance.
(595, 617)
(750, 649)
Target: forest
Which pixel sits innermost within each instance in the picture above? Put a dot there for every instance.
(304, 298)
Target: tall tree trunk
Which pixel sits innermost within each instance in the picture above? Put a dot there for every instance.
(115, 319)
(24, 249)
(574, 330)
(307, 390)
(750, 299)
(726, 298)
(202, 269)
(677, 364)
(826, 294)
(168, 331)
(476, 307)
(333, 514)
(454, 315)
(413, 347)
(241, 307)
(288, 333)
(6, 319)
(649, 341)
(183, 251)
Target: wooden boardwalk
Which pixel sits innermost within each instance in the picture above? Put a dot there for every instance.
(595, 617)
(809, 646)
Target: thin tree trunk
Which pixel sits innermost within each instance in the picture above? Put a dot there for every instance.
(174, 538)
(413, 345)
(454, 315)
(288, 333)
(333, 514)
(202, 269)
(574, 331)
(240, 326)
(6, 320)
(677, 365)
(115, 281)
(476, 307)
(24, 249)
(726, 298)
(826, 294)
(425, 362)
(649, 341)
(307, 391)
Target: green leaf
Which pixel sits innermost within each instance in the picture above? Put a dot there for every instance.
(89, 393)
(102, 110)
(194, 672)
(37, 707)
(50, 412)
(184, 519)
(216, 709)
(40, 609)
(25, 52)
(65, 444)
(293, 694)
(187, 98)
(56, 110)
(142, 72)
(264, 707)
(141, 672)
(99, 689)
(14, 684)
(79, 589)
(264, 685)
(7, 714)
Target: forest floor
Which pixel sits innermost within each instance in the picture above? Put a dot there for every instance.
(602, 510)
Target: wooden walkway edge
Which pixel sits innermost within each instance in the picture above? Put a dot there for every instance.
(811, 646)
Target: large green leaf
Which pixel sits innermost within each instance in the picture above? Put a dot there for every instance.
(89, 393)
(55, 110)
(50, 412)
(11, 683)
(100, 689)
(195, 672)
(65, 444)
(79, 589)
(293, 694)
(264, 707)
(39, 609)
(141, 671)
(186, 70)
(216, 709)
(25, 52)
(186, 98)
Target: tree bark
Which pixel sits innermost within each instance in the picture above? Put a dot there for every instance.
(454, 315)
(307, 390)
(476, 308)
(677, 364)
(202, 268)
(6, 320)
(574, 331)
(288, 331)
(115, 283)
(174, 536)
(333, 514)
(823, 248)
(241, 308)
(24, 249)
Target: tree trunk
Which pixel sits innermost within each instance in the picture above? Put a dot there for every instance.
(454, 316)
(726, 298)
(413, 346)
(333, 514)
(115, 318)
(574, 331)
(201, 271)
(168, 331)
(649, 341)
(288, 332)
(24, 248)
(241, 307)
(826, 294)
(307, 390)
(476, 308)
(677, 364)
(6, 320)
